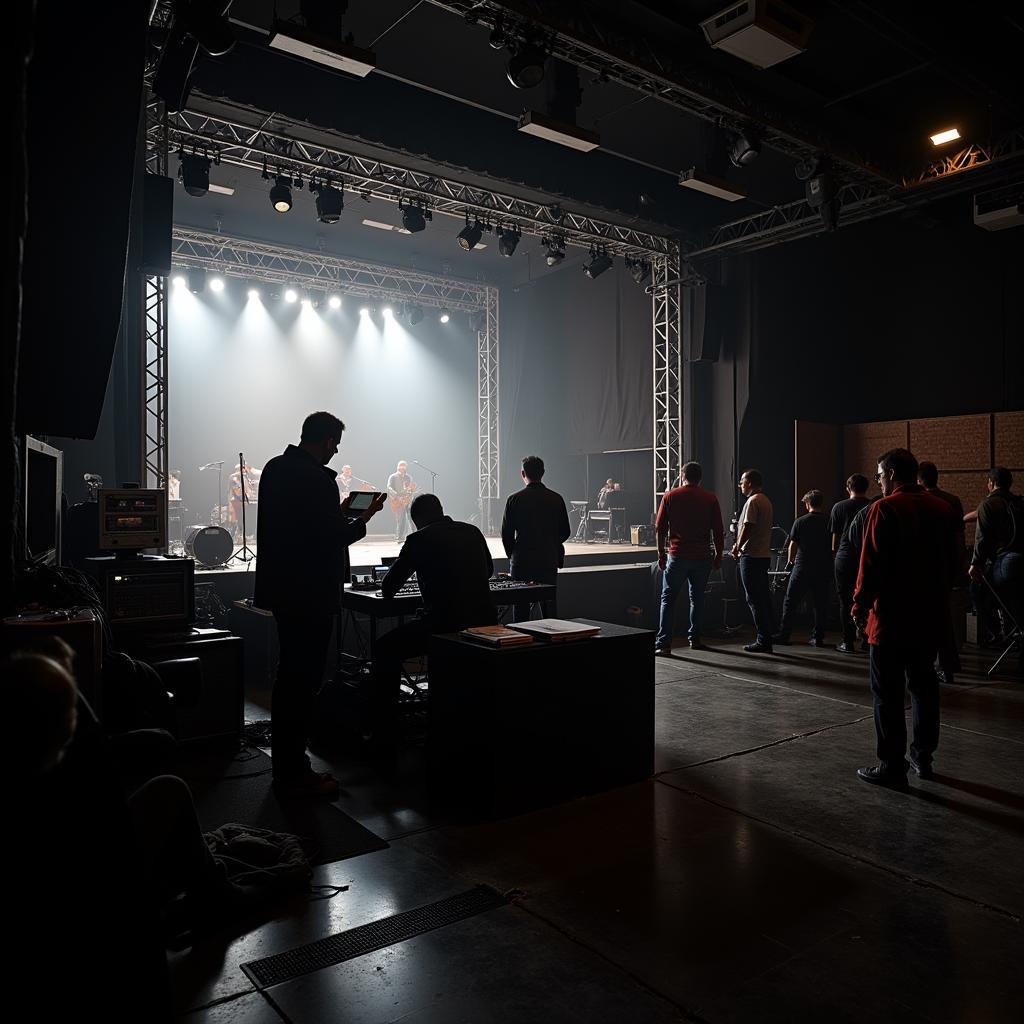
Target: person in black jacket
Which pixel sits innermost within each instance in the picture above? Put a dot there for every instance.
(453, 567)
(533, 530)
(301, 587)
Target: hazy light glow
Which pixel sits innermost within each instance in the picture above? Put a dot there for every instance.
(334, 302)
(388, 311)
(254, 293)
(179, 281)
(291, 295)
(444, 318)
(949, 135)
(364, 311)
(217, 284)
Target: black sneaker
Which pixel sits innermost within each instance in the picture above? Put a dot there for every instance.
(781, 639)
(815, 642)
(756, 648)
(923, 769)
(660, 651)
(879, 776)
(697, 644)
(845, 648)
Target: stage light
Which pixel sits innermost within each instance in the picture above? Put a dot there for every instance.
(217, 284)
(639, 269)
(334, 302)
(281, 194)
(254, 293)
(329, 204)
(306, 302)
(196, 280)
(178, 280)
(194, 173)
(555, 251)
(291, 295)
(508, 239)
(414, 218)
(525, 68)
(445, 316)
(364, 310)
(388, 311)
(415, 314)
(599, 263)
(470, 235)
(941, 138)
(743, 149)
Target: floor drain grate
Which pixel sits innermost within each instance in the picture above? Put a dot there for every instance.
(336, 949)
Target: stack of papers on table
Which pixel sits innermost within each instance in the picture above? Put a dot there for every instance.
(496, 636)
(555, 630)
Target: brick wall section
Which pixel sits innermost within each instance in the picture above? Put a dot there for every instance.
(953, 442)
(1009, 441)
(864, 442)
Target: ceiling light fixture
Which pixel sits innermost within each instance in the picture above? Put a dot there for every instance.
(532, 122)
(639, 269)
(196, 279)
(525, 68)
(330, 202)
(599, 263)
(321, 49)
(470, 235)
(415, 314)
(508, 239)
(941, 138)
(555, 250)
(194, 173)
(445, 316)
(291, 295)
(281, 193)
(334, 302)
(217, 284)
(414, 217)
(254, 293)
(700, 181)
(743, 149)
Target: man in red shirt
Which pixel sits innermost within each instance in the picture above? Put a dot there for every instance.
(688, 518)
(908, 564)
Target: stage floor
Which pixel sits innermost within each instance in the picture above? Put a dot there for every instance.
(376, 547)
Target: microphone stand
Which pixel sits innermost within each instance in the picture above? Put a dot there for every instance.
(433, 475)
(243, 553)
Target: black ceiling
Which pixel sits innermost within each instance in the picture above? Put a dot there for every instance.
(876, 79)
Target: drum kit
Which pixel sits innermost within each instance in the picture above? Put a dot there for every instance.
(212, 545)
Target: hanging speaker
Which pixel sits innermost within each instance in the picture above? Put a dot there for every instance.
(157, 222)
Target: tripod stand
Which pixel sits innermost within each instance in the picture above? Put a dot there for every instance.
(243, 553)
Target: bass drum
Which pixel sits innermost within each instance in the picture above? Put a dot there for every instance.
(210, 546)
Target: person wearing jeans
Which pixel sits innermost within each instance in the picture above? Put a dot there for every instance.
(753, 548)
(689, 522)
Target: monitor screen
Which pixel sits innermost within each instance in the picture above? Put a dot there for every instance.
(43, 468)
(133, 518)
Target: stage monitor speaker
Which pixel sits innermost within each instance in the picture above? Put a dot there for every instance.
(157, 221)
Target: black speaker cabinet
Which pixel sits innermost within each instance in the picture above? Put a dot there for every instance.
(157, 222)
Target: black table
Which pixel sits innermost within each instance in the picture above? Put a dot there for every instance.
(521, 727)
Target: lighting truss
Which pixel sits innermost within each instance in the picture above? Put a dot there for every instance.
(1009, 146)
(487, 351)
(154, 328)
(666, 315)
(245, 139)
(276, 264)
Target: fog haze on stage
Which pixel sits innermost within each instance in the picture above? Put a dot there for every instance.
(245, 371)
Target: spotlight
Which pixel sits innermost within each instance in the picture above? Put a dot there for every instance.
(941, 138)
(334, 302)
(639, 269)
(388, 311)
(743, 149)
(307, 302)
(254, 293)
(281, 193)
(414, 218)
(290, 295)
(415, 314)
(364, 310)
(194, 173)
(445, 316)
(508, 239)
(178, 280)
(196, 279)
(470, 235)
(329, 204)
(525, 68)
(556, 251)
(599, 263)
(217, 284)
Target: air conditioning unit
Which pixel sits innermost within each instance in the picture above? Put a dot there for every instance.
(1000, 208)
(761, 32)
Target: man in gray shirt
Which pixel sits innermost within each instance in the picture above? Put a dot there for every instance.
(754, 550)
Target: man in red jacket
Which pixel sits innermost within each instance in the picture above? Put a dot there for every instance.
(908, 564)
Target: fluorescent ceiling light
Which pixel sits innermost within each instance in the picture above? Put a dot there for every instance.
(381, 226)
(332, 53)
(699, 181)
(480, 245)
(224, 190)
(544, 127)
(949, 135)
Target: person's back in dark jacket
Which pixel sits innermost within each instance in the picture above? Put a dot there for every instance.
(534, 527)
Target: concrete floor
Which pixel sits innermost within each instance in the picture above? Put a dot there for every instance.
(754, 878)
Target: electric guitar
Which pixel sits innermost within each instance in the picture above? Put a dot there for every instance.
(401, 501)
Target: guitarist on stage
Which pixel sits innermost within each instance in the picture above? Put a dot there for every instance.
(401, 489)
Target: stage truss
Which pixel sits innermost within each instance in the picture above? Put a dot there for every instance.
(666, 317)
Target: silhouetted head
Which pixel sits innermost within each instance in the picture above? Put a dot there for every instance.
(897, 466)
(857, 484)
(533, 468)
(693, 473)
(321, 435)
(426, 509)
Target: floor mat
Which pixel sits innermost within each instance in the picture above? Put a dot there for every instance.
(237, 787)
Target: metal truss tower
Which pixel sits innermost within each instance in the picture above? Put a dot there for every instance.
(667, 336)
(487, 351)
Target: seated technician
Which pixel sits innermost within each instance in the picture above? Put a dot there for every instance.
(453, 565)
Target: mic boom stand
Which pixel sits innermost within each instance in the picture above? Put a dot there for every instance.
(433, 475)
(243, 553)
